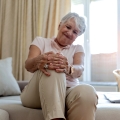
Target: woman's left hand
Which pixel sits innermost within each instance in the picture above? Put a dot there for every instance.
(59, 63)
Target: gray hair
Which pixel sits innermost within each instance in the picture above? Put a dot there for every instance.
(80, 21)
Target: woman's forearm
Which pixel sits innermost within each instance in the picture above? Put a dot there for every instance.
(31, 65)
(76, 71)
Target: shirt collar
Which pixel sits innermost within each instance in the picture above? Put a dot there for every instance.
(54, 44)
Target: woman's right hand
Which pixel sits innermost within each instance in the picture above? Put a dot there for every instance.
(42, 61)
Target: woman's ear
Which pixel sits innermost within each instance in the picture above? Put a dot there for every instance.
(59, 26)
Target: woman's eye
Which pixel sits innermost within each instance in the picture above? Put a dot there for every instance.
(68, 27)
(75, 32)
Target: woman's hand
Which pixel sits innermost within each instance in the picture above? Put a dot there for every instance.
(59, 63)
(43, 62)
(52, 61)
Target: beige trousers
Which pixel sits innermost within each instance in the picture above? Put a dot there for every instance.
(57, 101)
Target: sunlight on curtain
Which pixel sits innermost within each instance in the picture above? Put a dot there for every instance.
(18, 28)
(51, 12)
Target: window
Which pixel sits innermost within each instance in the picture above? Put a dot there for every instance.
(80, 7)
(103, 26)
(100, 39)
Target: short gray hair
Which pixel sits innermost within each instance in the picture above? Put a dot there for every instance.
(80, 21)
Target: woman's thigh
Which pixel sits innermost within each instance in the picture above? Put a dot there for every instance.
(80, 91)
(30, 94)
(78, 100)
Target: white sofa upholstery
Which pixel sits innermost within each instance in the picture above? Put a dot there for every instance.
(107, 110)
(12, 109)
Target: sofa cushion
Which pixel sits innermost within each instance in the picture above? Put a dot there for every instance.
(4, 115)
(18, 112)
(8, 84)
(10, 100)
(12, 104)
(107, 110)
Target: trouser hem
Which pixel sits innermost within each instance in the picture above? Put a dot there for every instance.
(54, 114)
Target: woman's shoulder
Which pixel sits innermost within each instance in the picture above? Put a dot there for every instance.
(76, 46)
(79, 48)
(39, 38)
(40, 41)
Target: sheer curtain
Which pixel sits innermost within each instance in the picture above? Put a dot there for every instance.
(21, 21)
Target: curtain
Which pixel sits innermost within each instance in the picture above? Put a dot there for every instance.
(21, 21)
(76, 2)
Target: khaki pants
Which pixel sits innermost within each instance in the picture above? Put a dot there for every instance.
(57, 101)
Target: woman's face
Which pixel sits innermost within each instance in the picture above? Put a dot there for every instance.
(67, 33)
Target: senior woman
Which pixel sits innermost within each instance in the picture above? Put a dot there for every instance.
(57, 64)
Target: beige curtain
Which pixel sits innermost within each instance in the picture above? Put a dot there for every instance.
(21, 21)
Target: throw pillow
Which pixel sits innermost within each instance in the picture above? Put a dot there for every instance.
(8, 84)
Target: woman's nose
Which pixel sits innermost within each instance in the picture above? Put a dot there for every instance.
(70, 32)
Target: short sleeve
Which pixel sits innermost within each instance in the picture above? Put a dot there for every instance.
(79, 48)
(39, 42)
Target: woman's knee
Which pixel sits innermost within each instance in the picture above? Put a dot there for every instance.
(86, 93)
(57, 76)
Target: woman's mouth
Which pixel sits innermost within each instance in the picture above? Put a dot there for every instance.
(66, 36)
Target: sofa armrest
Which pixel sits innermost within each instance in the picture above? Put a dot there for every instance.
(22, 84)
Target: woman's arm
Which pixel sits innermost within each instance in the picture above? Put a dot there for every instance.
(30, 63)
(74, 70)
(78, 65)
(36, 60)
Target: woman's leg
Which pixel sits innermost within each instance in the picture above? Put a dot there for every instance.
(81, 103)
(49, 93)
(52, 94)
(30, 95)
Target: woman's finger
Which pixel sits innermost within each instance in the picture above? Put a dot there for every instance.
(53, 66)
(45, 72)
(61, 70)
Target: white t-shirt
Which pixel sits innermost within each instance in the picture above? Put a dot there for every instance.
(47, 44)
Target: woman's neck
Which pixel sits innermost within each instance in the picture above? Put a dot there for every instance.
(61, 46)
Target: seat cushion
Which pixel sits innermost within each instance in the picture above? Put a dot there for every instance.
(13, 105)
(9, 100)
(18, 112)
(4, 115)
(107, 110)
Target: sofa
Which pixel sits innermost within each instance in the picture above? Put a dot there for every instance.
(12, 109)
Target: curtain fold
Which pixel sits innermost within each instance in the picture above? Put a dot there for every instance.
(21, 21)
